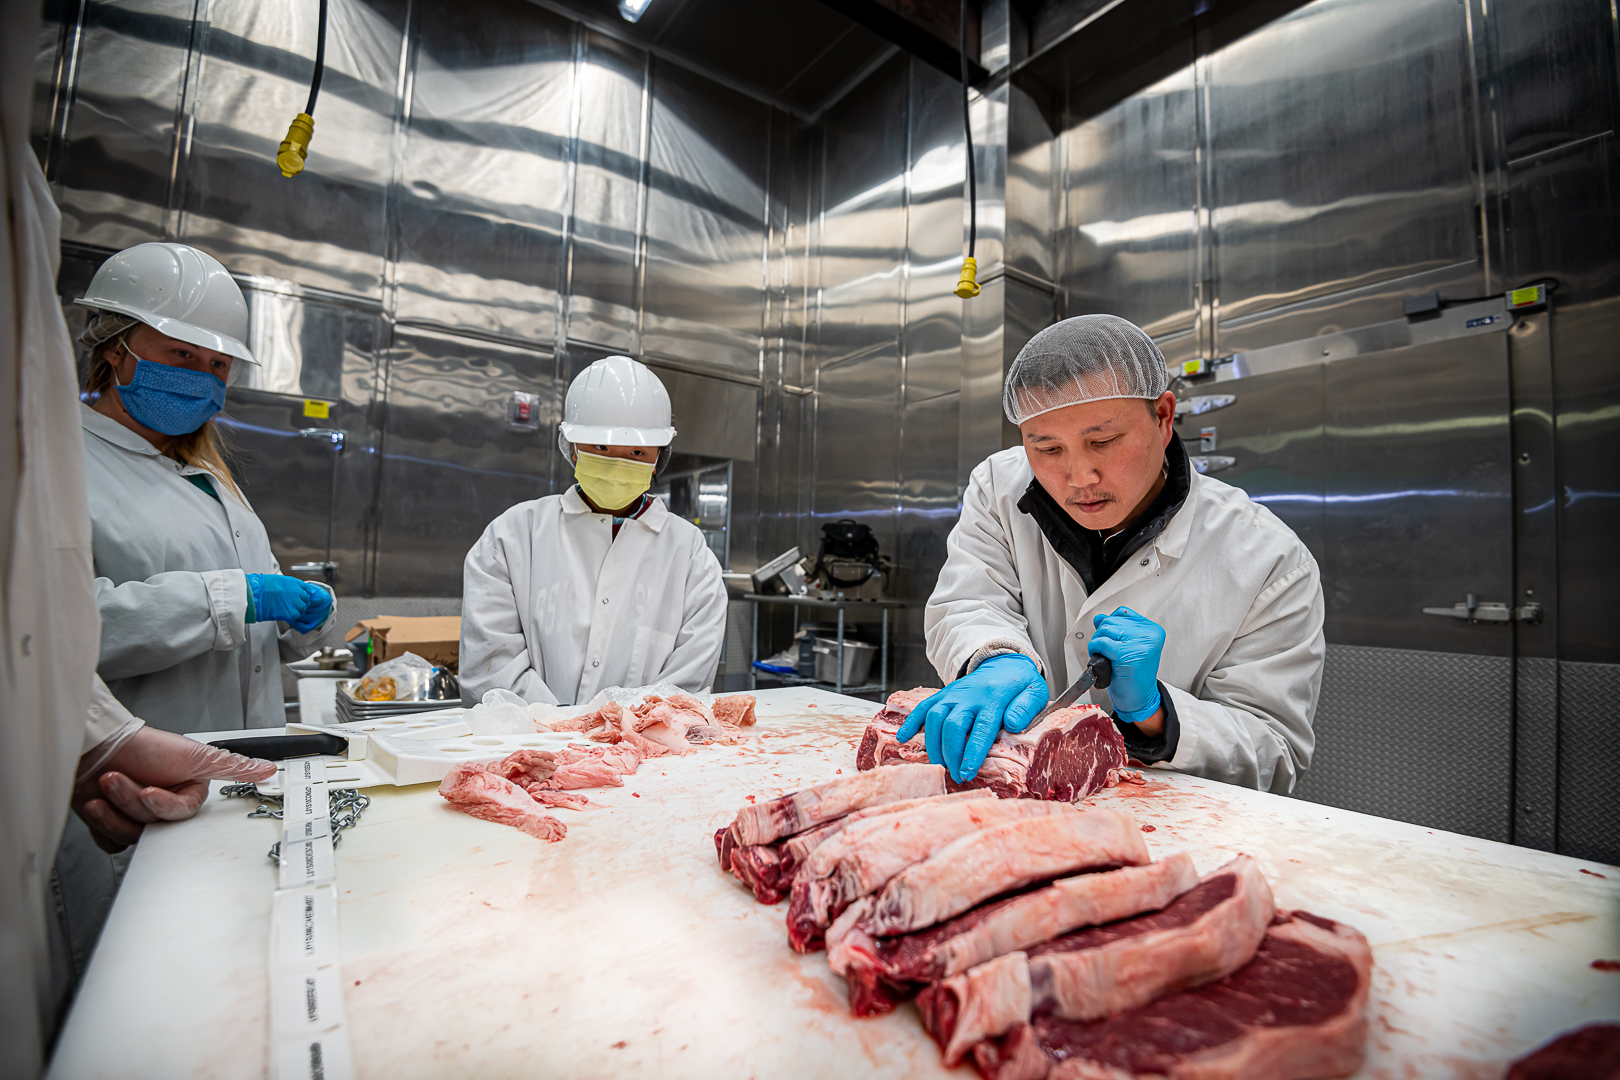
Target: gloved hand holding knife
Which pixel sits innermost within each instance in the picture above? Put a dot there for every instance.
(1008, 692)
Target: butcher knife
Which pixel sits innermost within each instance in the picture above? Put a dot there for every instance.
(1099, 673)
(282, 747)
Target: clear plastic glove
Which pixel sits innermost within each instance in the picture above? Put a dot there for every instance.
(963, 720)
(1133, 643)
(153, 776)
(278, 598)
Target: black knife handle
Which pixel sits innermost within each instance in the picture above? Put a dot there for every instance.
(1104, 671)
(281, 747)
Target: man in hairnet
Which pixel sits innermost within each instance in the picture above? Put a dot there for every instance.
(599, 586)
(1094, 537)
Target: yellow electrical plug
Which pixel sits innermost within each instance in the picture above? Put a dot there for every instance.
(295, 147)
(967, 287)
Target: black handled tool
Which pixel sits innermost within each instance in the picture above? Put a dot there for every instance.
(1099, 672)
(282, 747)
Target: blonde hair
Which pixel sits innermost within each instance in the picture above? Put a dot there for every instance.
(204, 448)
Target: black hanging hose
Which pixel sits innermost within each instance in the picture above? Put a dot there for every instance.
(320, 64)
(967, 286)
(295, 147)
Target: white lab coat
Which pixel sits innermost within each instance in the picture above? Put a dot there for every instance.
(1238, 594)
(554, 608)
(47, 607)
(170, 572)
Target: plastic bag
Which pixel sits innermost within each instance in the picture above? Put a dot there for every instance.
(404, 678)
(500, 713)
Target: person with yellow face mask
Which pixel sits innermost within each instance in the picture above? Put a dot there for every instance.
(599, 586)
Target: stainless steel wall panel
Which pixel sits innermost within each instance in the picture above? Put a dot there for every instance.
(607, 147)
(928, 509)
(115, 172)
(1381, 89)
(484, 187)
(1033, 174)
(862, 233)
(1588, 430)
(1589, 761)
(931, 337)
(449, 463)
(856, 447)
(1275, 430)
(1557, 67)
(288, 479)
(311, 348)
(713, 417)
(1418, 494)
(703, 299)
(326, 227)
(1129, 244)
(1370, 758)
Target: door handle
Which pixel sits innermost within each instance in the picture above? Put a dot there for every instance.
(1488, 612)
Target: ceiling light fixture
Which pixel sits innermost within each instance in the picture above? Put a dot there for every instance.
(632, 10)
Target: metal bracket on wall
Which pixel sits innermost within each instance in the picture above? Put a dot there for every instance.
(1208, 463)
(1476, 612)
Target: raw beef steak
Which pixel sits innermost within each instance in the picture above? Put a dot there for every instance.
(1297, 1011)
(1067, 756)
(881, 972)
(1588, 1053)
(980, 865)
(795, 813)
(900, 704)
(868, 853)
(1205, 934)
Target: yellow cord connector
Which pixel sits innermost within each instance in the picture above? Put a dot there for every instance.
(295, 147)
(967, 287)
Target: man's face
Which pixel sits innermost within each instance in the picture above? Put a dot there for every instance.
(1100, 459)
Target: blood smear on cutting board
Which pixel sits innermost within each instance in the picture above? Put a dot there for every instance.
(1594, 873)
(1149, 828)
(1606, 965)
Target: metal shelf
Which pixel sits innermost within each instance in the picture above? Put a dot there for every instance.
(800, 680)
(842, 606)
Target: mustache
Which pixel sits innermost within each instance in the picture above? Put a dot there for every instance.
(1091, 497)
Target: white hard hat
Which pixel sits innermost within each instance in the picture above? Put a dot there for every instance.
(617, 402)
(176, 290)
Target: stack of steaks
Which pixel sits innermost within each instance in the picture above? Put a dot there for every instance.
(1038, 938)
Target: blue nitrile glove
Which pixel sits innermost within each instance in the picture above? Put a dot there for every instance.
(278, 598)
(320, 603)
(963, 719)
(1133, 644)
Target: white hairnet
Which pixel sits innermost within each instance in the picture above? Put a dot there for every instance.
(1087, 358)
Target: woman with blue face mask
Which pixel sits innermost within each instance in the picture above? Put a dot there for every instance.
(196, 615)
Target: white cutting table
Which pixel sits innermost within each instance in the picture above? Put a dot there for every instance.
(470, 949)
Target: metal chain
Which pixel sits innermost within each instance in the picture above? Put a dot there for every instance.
(344, 807)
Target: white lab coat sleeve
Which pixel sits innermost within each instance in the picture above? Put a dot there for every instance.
(494, 652)
(696, 656)
(977, 608)
(155, 624)
(1250, 722)
(106, 718)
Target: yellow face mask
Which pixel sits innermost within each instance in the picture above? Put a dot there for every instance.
(611, 483)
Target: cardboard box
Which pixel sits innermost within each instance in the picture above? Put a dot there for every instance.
(435, 638)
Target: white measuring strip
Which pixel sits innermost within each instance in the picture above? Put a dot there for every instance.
(309, 1038)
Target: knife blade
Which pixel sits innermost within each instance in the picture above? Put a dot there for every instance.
(1099, 673)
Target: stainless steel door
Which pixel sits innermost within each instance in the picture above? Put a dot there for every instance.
(1388, 450)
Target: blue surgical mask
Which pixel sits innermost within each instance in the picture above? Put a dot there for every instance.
(173, 400)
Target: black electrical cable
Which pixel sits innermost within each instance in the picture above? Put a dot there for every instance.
(320, 63)
(967, 131)
(1550, 282)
